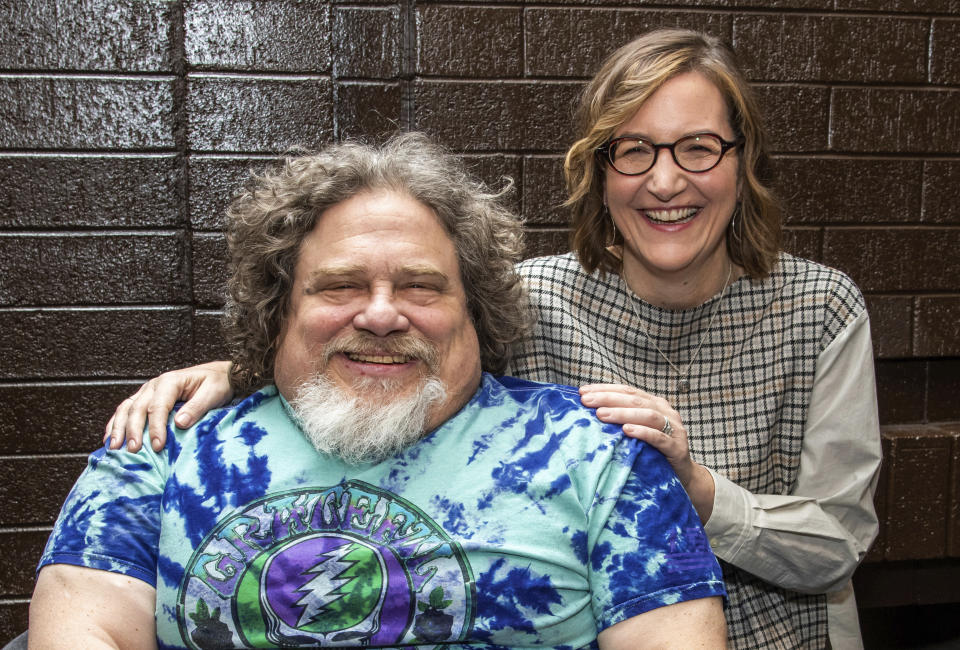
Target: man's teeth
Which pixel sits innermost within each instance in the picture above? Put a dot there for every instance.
(671, 216)
(378, 358)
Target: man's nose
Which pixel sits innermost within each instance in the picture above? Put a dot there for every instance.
(381, 315)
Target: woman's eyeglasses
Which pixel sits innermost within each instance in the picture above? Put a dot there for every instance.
(696, 153)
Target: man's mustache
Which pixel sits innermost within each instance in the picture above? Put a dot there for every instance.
(399, 345)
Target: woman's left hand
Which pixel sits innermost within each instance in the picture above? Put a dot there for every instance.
(652, 419)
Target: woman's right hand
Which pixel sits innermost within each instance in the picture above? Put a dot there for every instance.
(205, 387)
(645, 416)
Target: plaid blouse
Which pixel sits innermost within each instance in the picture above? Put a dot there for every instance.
(749, 394)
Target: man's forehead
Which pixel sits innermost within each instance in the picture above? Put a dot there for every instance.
(395, 267)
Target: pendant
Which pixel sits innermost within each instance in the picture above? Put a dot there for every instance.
(683, 385)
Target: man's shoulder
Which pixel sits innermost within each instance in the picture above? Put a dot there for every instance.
(557, 407)
(525, 390)
(265, 408)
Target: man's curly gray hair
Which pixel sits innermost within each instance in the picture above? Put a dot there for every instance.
(277, 209)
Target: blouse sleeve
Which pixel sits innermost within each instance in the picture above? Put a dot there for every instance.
(812, 540)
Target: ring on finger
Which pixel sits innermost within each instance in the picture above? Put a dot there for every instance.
(667, 428)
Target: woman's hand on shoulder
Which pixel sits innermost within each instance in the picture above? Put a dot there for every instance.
(204, 387)
(650, 418)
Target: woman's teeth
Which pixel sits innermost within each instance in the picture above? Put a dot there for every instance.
(671, 216)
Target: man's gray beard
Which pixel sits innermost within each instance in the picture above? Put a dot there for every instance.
(368, 428)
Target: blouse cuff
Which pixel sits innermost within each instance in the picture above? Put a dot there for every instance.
(730, 522)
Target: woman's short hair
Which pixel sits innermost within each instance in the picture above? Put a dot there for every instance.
(272, 215)
(625, 81)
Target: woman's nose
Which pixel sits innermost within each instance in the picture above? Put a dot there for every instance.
(381, 315)
(665, 179)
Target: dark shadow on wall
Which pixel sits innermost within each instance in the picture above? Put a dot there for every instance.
(926, 627)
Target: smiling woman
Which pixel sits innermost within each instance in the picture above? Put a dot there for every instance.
(741, 363)
(673, 221)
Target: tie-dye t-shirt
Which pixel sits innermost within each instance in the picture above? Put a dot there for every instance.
(521, 522)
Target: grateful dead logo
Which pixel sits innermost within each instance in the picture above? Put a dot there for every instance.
(345, 565)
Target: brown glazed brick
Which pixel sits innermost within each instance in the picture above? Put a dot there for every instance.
(941, 178)
(550, 241)
(850, 191)
(263, 36)
(891, 325)
(89, 35)
(209, 269)
(86, 113)
(257, 114)
(34, 487)
(953, 531)
(21, 552)
(13, 619)
(544, 191)
(898, 259)
(756, 4)
(790, 47)
(209, 343)
(68, 191)
(502, 115)
(58, 418)
(69, 343)
(498, 171)
(92, 268)
(797, 116)
(803, 242)
(368, 42)
(469, 41)
(893, 120)
(937, 329)
(919, 486)
(214, 180)
(574, 42)
(879, 547)
(911, 6)
(901, 391)
(367, 110)
(943, 389)
(945, 52)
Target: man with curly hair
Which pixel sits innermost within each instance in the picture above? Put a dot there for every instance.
(380, 487)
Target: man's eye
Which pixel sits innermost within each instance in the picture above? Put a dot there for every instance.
(334, 288)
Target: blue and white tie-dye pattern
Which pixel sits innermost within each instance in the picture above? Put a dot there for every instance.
(521, 522)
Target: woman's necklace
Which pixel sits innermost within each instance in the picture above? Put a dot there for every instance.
(683, 382)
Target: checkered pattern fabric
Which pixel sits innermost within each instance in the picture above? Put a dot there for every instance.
(750, 388)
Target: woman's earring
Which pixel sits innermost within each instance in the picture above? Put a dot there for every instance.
(613, 225)
(733, 223)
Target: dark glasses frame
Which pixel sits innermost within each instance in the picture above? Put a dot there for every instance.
(605, 151)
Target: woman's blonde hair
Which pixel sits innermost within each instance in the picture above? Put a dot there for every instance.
(627, 79)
